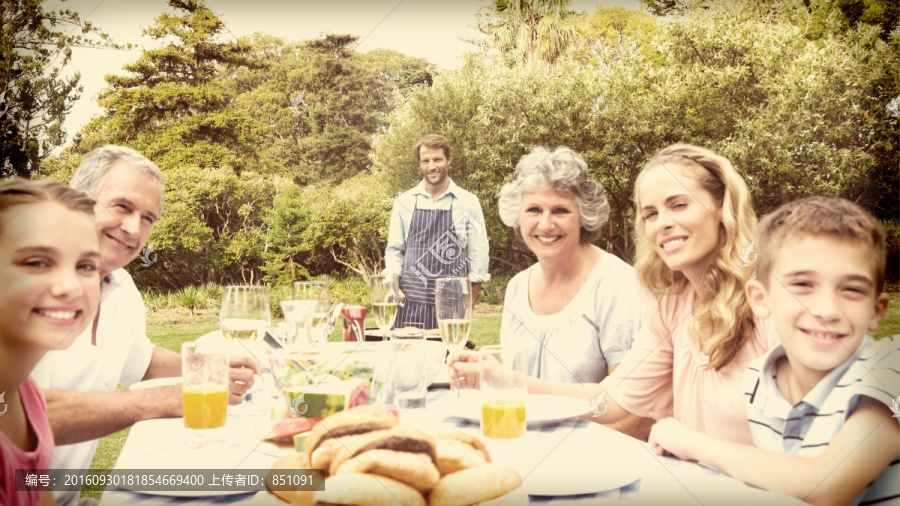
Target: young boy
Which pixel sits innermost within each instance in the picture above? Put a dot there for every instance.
(818, 403)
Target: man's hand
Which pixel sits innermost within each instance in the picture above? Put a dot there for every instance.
(464, 370)
(390, 295)
(240, 377)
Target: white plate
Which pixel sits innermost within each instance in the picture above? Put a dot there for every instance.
(156, 382)
(540, 410)
(594, 461)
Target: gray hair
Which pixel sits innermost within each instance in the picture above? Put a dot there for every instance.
(89, 176)
(564, 171)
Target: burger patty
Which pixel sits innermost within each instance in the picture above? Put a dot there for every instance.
(400, 444)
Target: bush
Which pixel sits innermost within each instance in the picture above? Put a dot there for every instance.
(494, 290)
(210, 295)
(155, 300)
(353, 290)
(188, 297)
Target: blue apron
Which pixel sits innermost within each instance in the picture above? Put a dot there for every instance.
(432, 251)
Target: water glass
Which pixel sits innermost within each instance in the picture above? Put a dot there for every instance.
(410, 385)
(315, 294)
(503, 377)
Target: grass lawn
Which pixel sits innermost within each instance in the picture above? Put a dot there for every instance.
(485, 330)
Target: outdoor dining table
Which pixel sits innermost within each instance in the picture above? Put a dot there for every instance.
(570, 455)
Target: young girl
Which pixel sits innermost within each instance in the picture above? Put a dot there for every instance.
(694, 221)
(49, 256)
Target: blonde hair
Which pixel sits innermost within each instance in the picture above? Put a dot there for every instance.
(821, 217)
(723, 315)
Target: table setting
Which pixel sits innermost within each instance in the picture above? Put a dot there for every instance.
(548, 444)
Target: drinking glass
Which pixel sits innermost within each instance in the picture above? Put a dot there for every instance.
(297, 314)
(315, 295)
(245, 313)
(503, 380)
(410, 368)
(384, 301)
(204, 370)
(244, 317)
(453, 305)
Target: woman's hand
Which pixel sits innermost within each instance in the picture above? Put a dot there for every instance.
(671, 436)
(464, 370)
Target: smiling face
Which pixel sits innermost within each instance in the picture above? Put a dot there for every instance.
(682, 221)
(434, 165)
(550, 223)
(49, 261)
(821, 295)
(128, 205)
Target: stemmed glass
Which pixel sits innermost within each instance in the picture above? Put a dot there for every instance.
(243, 319)
(245, 313)
(453, 309)
(384, 301)
(309, 306)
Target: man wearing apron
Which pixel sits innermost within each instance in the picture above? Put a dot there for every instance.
(437, 231)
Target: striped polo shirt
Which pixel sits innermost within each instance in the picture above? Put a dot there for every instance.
(807, 428)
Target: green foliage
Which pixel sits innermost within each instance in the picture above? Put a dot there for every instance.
(174, 105)
(35, 95)
(352, 290)
(188, 297)
(210, 294)
(531, 30)
(324, 102)
(328, 228)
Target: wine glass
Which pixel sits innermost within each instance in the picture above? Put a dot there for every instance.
(384, 301)
(312, 302)
(245, 313)
(243, 319)
(453, 309)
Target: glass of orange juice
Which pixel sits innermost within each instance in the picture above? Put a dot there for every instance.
(504, 385)
(204, 370)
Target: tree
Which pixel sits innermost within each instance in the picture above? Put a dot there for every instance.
(539, 30)
(324, 229)
(324, 102)
(35, 96)
(176, 105)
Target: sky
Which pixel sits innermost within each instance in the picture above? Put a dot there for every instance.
(429, 29)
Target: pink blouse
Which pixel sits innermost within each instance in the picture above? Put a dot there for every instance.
(12, 457)
(665, 374)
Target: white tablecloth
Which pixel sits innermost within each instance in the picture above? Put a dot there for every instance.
(573, 455)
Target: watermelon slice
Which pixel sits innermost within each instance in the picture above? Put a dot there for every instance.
(284, 430)
(321, 400)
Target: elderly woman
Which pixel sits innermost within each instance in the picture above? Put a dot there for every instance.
(578, 307)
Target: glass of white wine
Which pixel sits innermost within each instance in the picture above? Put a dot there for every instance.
(245, 313)
(453, 309)
(313, 298)
(243, 319)
(384, 302)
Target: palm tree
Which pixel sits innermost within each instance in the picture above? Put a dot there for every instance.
(539, 29)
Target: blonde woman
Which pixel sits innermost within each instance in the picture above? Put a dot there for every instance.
(694, 220)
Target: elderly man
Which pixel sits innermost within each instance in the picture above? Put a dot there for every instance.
(80, 382)
(437, 231)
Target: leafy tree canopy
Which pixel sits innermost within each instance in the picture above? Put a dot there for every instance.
(35, 95)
